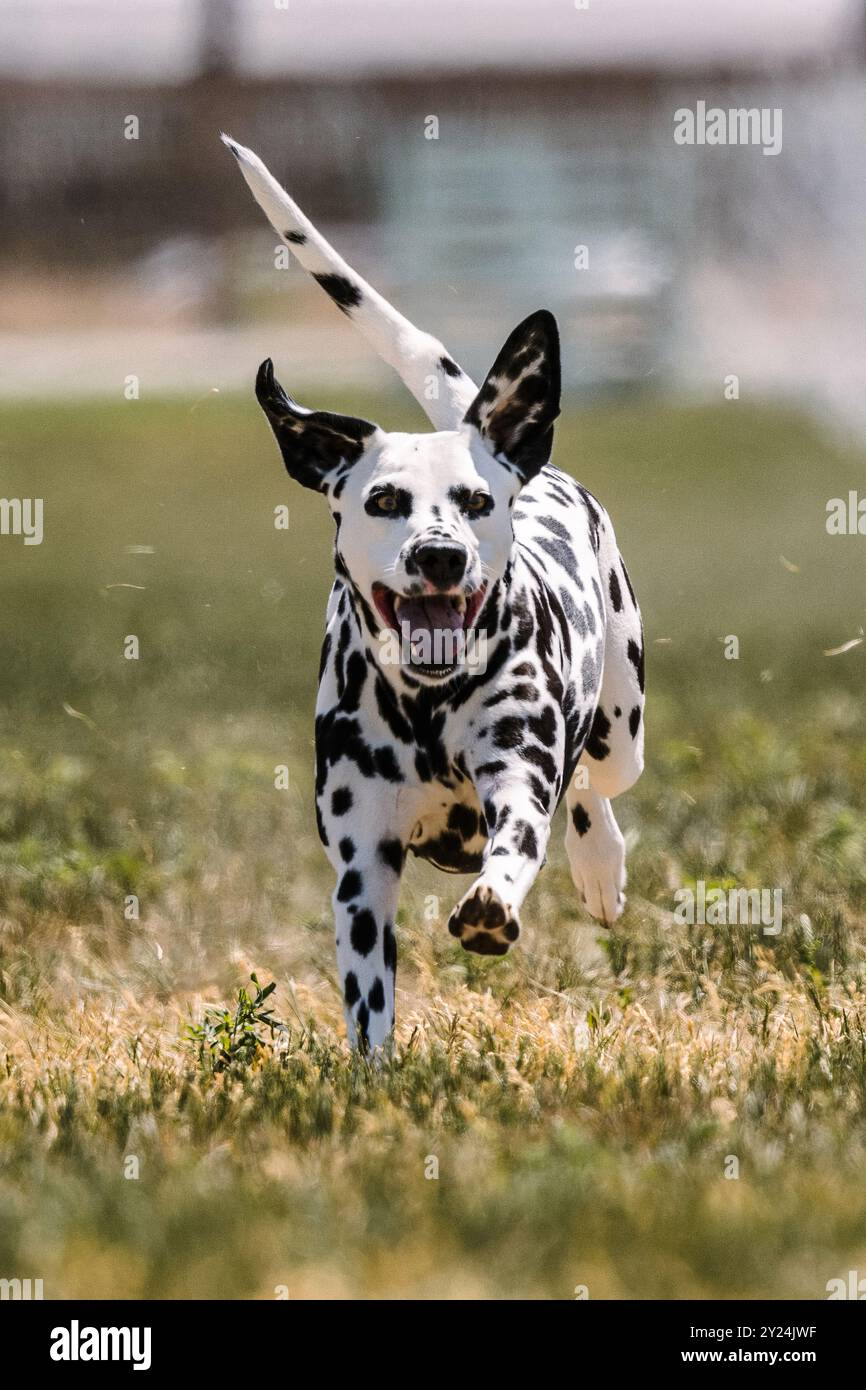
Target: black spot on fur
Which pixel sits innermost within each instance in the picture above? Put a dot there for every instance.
(556, 494)
(628, 583)
(525, 841)
(347, 849)
(541, 798)
(350, 886)
(465, 689)
(356, 675)
(389, 709)
(449, 368)
(376, 997)
(571, 610)
(522, 632)
(351, 992)
(490, 769)
(391, 853)
(386, 764)
(341, 801)
(634, 721)
(364, 933)
(543, 761)
(389, 948)
(508, 733)
(296, 238)
(580, 819)
(592, 510)
(636, 657)
(326, 649)
(344, 294)
(596, 745)
(543, 726)
(555, 526)
(343, 642)
(562, 553)
(615, 591)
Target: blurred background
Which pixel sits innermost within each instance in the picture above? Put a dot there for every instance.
(555, 130)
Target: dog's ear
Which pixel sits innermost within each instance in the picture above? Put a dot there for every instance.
(515, 409)
(317, 447)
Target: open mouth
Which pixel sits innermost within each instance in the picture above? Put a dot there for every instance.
(433, 628)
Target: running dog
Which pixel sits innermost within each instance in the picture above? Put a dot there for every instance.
(483, 651)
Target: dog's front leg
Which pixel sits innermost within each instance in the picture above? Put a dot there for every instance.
(487, 917)
(368, 857)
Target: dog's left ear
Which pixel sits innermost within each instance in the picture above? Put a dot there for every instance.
(317, 447)
(515, 409)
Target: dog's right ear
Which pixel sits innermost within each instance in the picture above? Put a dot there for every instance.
(317, 447)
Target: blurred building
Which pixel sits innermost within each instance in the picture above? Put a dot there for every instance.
(476, 161)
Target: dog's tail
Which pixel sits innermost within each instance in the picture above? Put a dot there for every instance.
(441, 388)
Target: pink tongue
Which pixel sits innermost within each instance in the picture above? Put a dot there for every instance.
(429, 614)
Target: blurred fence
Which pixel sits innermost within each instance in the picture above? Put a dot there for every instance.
(698, 261)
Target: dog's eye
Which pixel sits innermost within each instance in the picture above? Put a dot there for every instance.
(381, 502)
(479, 502)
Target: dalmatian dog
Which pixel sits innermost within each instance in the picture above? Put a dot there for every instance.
(483, 653)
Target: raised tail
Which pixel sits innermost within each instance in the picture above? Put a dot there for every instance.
(439, 385)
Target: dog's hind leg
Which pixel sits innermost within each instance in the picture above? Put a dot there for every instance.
(612, 758)
(439, 385)
(613, 754)
(596, 853)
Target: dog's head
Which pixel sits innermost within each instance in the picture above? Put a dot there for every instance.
(424, 524)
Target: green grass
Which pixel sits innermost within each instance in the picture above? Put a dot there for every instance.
(582, 1096)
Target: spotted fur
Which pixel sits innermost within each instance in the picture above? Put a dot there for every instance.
(460, 766)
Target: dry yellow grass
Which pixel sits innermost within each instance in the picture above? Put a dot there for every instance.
(660, 1111)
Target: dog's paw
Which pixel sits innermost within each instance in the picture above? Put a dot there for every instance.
(601, 885)
(482, 922)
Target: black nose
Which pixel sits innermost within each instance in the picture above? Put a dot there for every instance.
(441, 564)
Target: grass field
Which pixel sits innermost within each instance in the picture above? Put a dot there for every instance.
(583, 1097)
